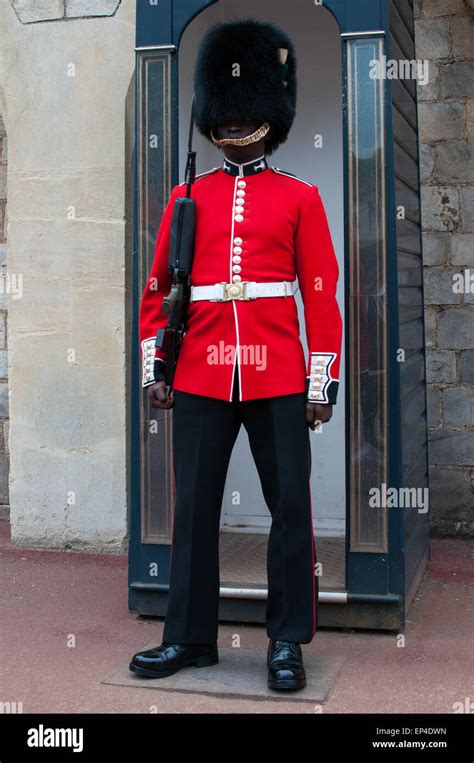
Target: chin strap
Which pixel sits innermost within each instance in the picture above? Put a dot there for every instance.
(252, 138)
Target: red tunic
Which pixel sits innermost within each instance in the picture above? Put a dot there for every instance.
(280, 232)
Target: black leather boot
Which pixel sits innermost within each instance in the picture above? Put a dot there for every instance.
(168, 658)
(285, 665)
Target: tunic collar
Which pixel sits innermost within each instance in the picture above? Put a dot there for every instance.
(247, 168)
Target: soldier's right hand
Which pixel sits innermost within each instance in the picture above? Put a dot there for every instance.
(157, 396)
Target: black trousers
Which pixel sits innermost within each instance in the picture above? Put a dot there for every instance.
(204, 433)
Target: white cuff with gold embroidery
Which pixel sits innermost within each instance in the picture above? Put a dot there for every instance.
(148, 361)
(322, 387)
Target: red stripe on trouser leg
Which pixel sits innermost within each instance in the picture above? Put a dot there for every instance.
(172, 514)
(315, 595)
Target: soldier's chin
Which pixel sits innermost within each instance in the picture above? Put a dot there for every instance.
(235, 150)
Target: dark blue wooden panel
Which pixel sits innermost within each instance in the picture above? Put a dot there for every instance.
(164, 22)
(413, 455)
(358, 15)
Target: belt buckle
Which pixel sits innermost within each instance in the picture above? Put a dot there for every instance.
(234, 291)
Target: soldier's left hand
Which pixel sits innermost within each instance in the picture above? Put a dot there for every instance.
(317, 413)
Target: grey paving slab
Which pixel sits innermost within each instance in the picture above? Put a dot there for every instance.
(239, 673)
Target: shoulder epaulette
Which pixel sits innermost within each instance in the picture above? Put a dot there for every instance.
(290, 174)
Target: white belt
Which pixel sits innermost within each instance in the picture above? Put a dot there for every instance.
(242, 290)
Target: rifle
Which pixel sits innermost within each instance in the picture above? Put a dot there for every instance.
(180, 260)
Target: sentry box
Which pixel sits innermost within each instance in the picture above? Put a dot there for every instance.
(356, 137)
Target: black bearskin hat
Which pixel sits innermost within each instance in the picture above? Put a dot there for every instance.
(263, 91)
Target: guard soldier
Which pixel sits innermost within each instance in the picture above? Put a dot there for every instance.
(259, 231)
